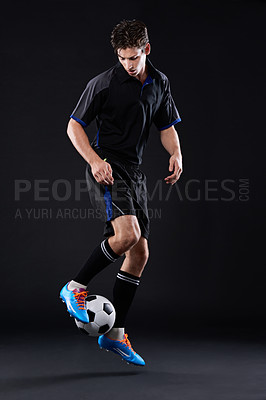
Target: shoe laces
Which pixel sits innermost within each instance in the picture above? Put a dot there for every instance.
(80, 299)
(127, 342)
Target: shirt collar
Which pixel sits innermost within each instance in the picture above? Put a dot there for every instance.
(123, 75)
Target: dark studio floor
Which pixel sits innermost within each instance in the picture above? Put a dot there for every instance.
(206, 366)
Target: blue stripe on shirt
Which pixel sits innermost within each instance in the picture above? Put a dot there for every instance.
(79, 120)
(168, 126)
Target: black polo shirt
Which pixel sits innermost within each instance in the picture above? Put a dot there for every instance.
(125, 109)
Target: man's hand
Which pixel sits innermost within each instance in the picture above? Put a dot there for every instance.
(170, 142)
(175, 165)
(102, 172)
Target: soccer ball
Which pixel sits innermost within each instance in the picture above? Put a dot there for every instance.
(101, 314)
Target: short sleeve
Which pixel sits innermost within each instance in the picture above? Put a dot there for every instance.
(167, 114)
(89, 104)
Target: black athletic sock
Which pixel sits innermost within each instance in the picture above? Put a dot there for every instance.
(102, 256)
(123, 293)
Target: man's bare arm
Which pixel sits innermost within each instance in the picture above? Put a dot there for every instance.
(171, 143)
(100, 169)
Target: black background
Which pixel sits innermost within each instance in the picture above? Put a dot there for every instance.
(205, 265)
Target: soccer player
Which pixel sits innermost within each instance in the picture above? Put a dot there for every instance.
(125, 100)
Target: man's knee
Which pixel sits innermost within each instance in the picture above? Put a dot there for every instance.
(127, 233)
(142, 255)
(128, 238)
(139, 254)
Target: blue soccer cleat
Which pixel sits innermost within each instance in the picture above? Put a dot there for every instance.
(75, 302)
(122, 348)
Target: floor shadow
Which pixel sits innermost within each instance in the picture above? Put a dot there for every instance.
(13, 384)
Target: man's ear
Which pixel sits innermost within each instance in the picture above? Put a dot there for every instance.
(147, 49)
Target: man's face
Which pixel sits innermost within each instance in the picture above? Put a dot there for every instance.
(133, 59)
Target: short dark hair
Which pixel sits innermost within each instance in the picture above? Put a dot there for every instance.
(129, 34)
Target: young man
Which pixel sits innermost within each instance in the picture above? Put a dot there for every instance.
(124, 100)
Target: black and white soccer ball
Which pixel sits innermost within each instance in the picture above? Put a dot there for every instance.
(101, 314)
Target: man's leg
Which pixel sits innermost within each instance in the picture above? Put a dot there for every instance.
(127, 281)
(126, 235)
(126, 284)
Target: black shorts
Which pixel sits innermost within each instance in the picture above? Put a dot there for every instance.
(127, 196)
